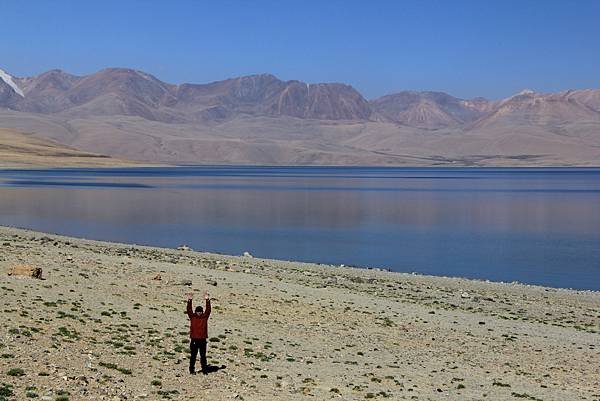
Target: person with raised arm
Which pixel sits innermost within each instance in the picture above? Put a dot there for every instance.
(198, 332)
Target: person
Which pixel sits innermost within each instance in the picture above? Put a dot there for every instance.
(198, 332)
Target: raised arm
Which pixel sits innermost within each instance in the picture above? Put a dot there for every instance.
(190, 310)
(207, 309)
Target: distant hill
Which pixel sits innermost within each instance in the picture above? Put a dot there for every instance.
(260, 119)
(430, 110)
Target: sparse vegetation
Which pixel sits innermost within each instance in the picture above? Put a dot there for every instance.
(16, 372)
(275, 331)
(5, 391)
(113, 366)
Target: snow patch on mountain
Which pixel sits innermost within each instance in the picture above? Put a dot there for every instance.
(9, 81)
(525, 92)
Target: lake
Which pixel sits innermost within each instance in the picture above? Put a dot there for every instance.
(538, 226)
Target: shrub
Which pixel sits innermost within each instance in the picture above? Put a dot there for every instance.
(110, 365)
(16, 372)
(5, 391)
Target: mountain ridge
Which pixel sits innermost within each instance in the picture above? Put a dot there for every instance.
(137, 93)
(141, 94)
(260, 119)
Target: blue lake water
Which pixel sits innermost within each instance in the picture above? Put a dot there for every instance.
(539, 226)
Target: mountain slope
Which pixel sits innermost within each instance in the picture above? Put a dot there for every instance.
(535, 109)
(588, 97)
(10, 93)
(9, 80)
(21, 150)
(429, 110)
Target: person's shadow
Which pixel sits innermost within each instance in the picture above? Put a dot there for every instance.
(213, 368)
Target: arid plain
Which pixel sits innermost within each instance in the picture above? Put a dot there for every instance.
(107, 322)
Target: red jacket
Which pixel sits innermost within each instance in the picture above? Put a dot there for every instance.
(198, 322)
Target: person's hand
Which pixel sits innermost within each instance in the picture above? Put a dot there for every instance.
(206, 296)
(190, 295)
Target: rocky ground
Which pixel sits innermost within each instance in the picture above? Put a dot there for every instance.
(99, 326)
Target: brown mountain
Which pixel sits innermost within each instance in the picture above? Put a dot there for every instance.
(261, 119)
(113, 91)
(46, 92)
(119, 91)
(549, 110)
(268, 96)
(429, 110)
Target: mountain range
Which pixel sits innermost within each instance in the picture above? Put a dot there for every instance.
(260, 119)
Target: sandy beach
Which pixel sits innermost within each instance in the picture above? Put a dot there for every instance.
(101, 325)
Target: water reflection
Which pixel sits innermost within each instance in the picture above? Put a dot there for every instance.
(540, 226)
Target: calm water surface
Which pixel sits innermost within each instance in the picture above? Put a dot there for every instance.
(539, 226)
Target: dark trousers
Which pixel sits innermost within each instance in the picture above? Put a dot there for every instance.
(195, 346)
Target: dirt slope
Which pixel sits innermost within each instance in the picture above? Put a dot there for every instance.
(23, 150)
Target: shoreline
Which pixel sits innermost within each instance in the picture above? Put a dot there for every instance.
(308, 264)
(284, 330)
(134, 164)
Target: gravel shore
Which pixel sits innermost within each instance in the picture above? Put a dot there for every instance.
(107, 322)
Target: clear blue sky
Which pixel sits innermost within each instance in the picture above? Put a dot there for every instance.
(465, 48)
